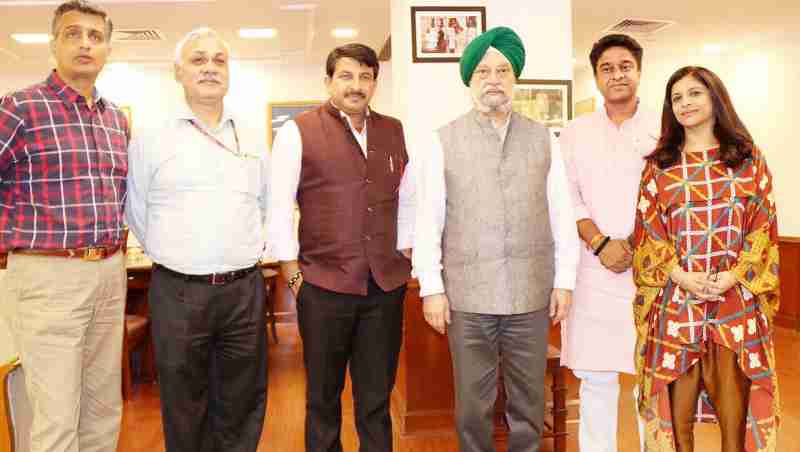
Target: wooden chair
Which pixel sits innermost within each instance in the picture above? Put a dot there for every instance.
(270, 283)
(136, 336)
(7, 432)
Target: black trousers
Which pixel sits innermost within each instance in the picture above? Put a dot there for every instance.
(211, 354)
(364, 331)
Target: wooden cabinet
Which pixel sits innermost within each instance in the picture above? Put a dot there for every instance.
(789, 312)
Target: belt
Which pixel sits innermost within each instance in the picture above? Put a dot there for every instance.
(93, 253)
(3, 260)
(214, 279)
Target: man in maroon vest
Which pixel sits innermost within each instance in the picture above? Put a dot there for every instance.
(345, 166)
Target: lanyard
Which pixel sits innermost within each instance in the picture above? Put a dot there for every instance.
(219, 143)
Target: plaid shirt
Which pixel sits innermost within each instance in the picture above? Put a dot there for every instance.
(63, 167)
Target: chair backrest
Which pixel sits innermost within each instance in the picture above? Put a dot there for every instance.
(7, 440)
(15, 411)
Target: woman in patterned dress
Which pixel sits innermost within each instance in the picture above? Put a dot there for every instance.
(706, 271)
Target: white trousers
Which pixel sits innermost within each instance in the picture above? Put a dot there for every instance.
(599, 411)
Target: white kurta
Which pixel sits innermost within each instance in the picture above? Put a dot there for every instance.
(604, 165)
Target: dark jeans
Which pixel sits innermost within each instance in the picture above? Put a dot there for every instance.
(211, 354)
(365, 331)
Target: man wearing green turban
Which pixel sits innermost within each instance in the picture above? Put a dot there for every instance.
(496, 248)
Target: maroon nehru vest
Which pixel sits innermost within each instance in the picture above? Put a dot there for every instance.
(348, 203)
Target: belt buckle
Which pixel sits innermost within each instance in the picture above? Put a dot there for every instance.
(93, 254)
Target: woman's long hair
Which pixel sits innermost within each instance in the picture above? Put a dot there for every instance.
(735, 142)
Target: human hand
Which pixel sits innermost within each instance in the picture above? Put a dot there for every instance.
(436, 309)
(721, 282)
(617, 256)
(560, 303)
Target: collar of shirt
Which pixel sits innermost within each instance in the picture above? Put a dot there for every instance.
(502, 129)
(634, 118)
(184, 113)
(69, 95)
(361, 137)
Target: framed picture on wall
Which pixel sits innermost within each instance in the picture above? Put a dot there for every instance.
(548, 102)
(440, 34)
(280, 112)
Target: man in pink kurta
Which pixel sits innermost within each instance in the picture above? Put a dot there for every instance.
(604, 156)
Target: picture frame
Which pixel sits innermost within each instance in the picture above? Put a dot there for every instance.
(548, 102)
(439, 34)
(280, 112)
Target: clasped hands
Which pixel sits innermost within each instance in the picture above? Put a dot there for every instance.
(703, 285)
(617, 255)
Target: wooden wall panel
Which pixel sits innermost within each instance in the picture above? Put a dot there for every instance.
(789, 313)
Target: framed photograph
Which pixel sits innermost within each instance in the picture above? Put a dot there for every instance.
(546, 101)
(280, 112)
(441, 33)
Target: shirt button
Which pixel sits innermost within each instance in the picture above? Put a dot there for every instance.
(369, 209)
(368, 180)
(367, 238)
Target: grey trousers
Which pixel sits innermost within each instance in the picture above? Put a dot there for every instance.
(478, 344)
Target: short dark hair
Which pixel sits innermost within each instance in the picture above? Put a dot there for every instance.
(615, 40)
(735, 142)
(85, 7)
(359, 52)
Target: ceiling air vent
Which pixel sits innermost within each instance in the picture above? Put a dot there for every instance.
(638, 26)
(137, 35)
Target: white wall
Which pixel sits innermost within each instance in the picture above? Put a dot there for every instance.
(763, 78)
(431, 94)
(150, 88)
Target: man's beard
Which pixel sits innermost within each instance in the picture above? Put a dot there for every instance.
(489, 103)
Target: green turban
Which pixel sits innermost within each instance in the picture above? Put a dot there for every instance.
(501, 38)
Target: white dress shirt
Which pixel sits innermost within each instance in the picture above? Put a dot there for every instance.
(287, 153)
(431, 209)
(196, 207)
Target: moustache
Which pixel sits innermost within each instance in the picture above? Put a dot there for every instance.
(496, 88)
(208, 79)
(356, 93)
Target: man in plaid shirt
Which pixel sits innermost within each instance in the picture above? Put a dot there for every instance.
(63, 167)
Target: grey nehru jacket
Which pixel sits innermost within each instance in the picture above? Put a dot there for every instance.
(497, 247)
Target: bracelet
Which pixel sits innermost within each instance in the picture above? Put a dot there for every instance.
(295, 279)
(596, 240)
(602, 245)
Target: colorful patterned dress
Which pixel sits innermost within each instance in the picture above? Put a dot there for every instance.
(706, 217)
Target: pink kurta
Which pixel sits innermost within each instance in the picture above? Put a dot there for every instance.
(604, 166)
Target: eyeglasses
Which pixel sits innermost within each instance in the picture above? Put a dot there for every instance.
(484, 72)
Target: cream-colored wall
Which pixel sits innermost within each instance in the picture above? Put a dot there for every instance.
(763, 78)
(150, 88)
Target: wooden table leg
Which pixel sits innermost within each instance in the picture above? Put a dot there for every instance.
(559, 389)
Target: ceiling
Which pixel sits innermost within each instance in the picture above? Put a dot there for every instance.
(304, 35)
(727, 23)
